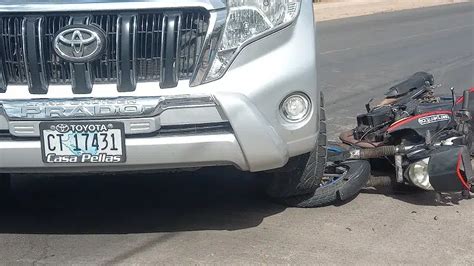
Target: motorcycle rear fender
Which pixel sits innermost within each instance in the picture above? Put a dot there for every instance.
(450, 169)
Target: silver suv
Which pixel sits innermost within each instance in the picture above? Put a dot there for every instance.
(117, 85)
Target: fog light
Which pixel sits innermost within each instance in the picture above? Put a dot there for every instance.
(418, 174)
(295, 107)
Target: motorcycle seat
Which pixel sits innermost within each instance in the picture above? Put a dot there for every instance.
(417, 81)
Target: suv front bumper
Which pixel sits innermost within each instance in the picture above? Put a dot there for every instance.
(247, 98)
(250, 143)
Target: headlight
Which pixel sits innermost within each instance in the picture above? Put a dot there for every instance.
(248, 20)
(418, 174)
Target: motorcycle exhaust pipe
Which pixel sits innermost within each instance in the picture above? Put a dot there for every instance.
(381, 152)
(374, 153)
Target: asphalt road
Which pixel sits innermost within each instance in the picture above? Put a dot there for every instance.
(219, 217)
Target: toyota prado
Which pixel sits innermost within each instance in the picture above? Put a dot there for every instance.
(117, 85)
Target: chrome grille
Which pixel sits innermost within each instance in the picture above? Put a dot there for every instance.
(58, 69)
(149, 31)
(105, 69)
(143, 48)
(12, 50)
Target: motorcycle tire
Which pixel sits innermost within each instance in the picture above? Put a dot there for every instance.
(341, 182)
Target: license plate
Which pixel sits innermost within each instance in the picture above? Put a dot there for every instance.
(83, 142)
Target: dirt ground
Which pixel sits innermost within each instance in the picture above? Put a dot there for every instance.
(335, 9)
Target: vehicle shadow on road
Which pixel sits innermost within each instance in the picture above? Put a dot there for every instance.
(380, 183)
(210, 199)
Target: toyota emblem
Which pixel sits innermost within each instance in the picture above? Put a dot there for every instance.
(79, 43)
(62, 128)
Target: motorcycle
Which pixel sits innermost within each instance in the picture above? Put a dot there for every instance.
(427, 138)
